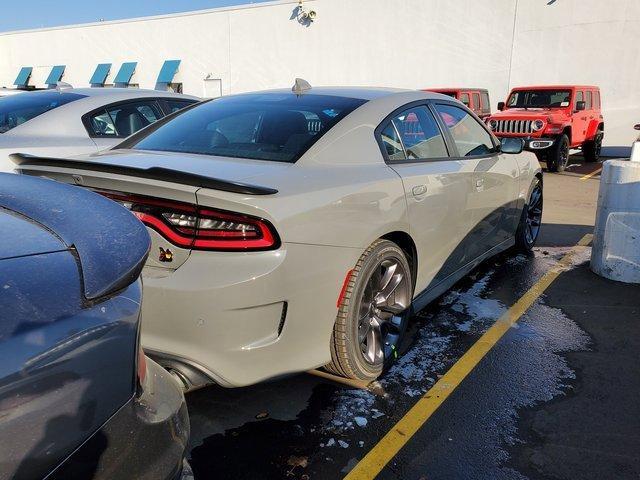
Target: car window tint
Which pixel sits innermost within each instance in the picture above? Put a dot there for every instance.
(18, 109)
(476, 101)
(391, 143)
(469, 136)
(102, 124)
(128, 118)
(484, 96)
(464, 98)
(263, 126)
(175, 105)
(420, 134)
(589, 100)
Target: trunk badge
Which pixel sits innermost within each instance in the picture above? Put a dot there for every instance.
(165, 255)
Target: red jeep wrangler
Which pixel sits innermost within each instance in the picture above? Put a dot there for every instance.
(476, 99)
(552, 120)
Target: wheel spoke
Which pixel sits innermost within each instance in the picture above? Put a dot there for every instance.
(395, 309)
(382, 298)
(388, 275)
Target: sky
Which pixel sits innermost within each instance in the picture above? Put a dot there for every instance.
(20, 15)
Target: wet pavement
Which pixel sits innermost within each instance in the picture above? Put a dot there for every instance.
(555, 398)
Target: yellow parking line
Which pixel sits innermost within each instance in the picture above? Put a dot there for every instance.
(387, 448)
(589, 175)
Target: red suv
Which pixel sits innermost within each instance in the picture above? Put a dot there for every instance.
(553, 119)
(476, 99)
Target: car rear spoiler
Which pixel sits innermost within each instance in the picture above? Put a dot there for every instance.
(152, 173)
(110, 244)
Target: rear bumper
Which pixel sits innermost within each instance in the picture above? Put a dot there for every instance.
(238, 318)
(146, 439)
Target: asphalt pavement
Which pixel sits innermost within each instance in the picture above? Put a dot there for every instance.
(553, 398)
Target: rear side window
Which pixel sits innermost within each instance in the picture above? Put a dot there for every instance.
(392, 143)
(476, 101)
(589, 100)
(419, 134)
(486, 107)
(470, 137)
(597, 99)
(175, 105)
(18, 109)
(124, 119)
(464, 98)
(265, 126)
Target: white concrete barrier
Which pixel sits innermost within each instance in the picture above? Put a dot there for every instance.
(616, 241)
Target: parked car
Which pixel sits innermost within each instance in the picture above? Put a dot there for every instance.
(73, 121)
(5, 92)
(553, 120)
(292, 230)
(477, 99)
(78, 398)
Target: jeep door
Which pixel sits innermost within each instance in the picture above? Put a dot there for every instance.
(494, 193)
(436, 189)
(580, 120)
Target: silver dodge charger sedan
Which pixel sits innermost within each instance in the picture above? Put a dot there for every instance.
(299, 229)
(74, 121)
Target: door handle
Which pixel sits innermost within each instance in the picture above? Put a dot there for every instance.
(419, 190)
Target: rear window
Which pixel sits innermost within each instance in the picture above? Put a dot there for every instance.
(18, 109)
(273, 126)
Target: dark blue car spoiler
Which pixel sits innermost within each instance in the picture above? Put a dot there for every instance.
(111, 244)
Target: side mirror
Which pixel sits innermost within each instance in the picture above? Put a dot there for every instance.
(511, 145)
(637, 127)
(580, 105)
(500, 106)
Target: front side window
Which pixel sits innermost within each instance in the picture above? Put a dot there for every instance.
(124, 119)
(262, 126)
(18, 109)
(539, 99)
(470, 137)
(464, 98)
(579, 97)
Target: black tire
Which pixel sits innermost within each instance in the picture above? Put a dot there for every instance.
(591, 149)
(347, 356)
(531, 219)
(559, 155)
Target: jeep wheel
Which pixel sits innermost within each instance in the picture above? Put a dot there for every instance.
(558, 157)
(373, 313)
(591, 148)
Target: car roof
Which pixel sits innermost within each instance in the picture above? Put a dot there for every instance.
(363, 93)
(114, 94)
(554, 87)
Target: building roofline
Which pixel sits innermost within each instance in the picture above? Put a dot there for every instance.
(245, 6)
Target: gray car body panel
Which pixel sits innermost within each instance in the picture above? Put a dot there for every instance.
(222, 311)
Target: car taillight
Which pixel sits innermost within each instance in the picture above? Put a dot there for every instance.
(190, 226)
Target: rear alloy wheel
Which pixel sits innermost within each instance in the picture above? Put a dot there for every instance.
(592, 148)
(531, 219)
(559, 156)
(373, 313)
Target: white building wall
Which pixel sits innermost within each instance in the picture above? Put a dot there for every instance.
(493, 44)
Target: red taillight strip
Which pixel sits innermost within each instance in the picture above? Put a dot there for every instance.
(266, 237)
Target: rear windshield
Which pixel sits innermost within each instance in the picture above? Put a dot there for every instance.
(18, 109)
(270, 126)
